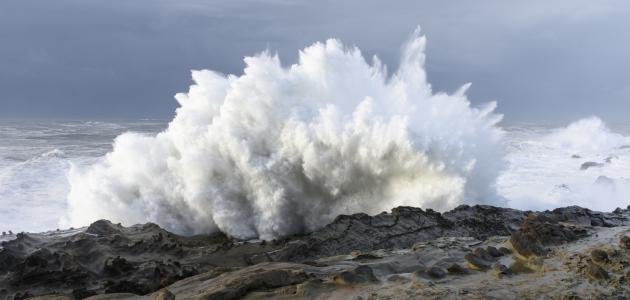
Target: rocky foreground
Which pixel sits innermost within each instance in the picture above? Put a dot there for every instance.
(469, 252)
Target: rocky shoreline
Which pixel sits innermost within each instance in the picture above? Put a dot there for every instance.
(468, 252)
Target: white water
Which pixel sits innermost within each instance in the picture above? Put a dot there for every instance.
(279, 151)
(283, 150)
(545, 166)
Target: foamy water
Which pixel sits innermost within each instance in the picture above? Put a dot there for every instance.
(545, 166)
(34, 185)
(35, 158)
(283, 150)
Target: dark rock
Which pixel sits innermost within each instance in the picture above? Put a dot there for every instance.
(505, 251)
(481, 252)
(610, 158)
(477, 263)
(624, 242)
(570, 295)
(483, 221)
(164, 294)
(236, 284)
(103, 227)
(583, 216)
(500, 270)
(538, 231)
(596, 272)
(612, 253)
(436, 272)
(365, 273)
(366, 256)
(402, 228)
(519, 266)
(117, 266)
(493, 251)
(590, 164)
(361, 274)
(599, 256)
(105, 258)
(142, 259)
(397, 278)
(456, 269)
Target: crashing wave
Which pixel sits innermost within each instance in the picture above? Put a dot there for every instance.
(278, 151)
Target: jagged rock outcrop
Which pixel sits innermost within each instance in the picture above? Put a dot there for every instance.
(104, 258)
(539, 231)
(358, 249)
(401, 228)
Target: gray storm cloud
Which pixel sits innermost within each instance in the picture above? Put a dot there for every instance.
(544, 61)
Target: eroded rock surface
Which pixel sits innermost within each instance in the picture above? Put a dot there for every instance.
(408, 253)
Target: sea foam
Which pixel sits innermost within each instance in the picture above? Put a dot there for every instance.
(585, 163)
(283, 150)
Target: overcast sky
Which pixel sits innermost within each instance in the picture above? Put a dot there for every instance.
(549, 61)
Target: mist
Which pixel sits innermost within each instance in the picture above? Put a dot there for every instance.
(279, 151)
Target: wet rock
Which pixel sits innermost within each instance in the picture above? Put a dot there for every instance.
(164, 294)
(483, 221)
(105, 257)
(398, 278)
(500, 270)
(117, 266)
(436, 272)
(538, 231)
(590, 164)
(569, 295)
(476, 263)
(494, 252)
(365, 273)
(519, 267)
(143, 259)
(401, 229)
(583, 216)
(309, 288)
(236, 284)
(52, 297)
(366, 256)
(599, 256)
(596, 272)
(624, 242)
(456, 269)
(361, 274)
(103, 227)
(610, 159)
(482, 253)
(612, 252)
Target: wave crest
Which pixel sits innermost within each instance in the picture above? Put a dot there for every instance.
(278, 151)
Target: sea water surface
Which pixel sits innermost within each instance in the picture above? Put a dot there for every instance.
(35, 158)
(543, 166)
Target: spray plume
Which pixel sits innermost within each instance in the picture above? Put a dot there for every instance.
(278, 151)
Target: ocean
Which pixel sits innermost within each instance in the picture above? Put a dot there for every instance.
(35, 158)
(543, 167)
